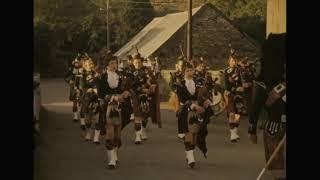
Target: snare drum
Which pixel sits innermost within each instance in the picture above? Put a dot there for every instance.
(218, 103)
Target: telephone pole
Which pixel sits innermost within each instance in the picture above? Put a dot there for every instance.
(108, 32)
(189, 37)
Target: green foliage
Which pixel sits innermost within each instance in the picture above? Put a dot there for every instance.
(248, 15)
(130, 20)
(41, 39)
(63, 28)
(72, 26)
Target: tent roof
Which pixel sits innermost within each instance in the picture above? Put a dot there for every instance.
(156, 33)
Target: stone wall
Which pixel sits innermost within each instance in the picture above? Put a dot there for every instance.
(212, 34)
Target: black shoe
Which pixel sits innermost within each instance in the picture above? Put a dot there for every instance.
(244, 114)
(192, 165)
(75, 120)
(97, 143)
(253, 138)
(111, 166)
(83, 127)
(234, 140)
(103, 132)
(137, 142)
(86, 139)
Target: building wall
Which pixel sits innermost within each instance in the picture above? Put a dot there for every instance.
(212, 34)
(276, 16)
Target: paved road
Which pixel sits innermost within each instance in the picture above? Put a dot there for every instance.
(64, 155)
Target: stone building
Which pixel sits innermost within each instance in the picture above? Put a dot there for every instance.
(212, 34)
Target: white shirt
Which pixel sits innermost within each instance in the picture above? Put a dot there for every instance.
(113, 79)
(191, 86)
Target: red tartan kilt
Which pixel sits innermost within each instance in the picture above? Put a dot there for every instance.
(270, 144)
(230, 105)
(136, 107)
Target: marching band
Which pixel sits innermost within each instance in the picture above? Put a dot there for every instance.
(107, 98)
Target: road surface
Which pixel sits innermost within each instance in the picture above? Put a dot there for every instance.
(64, 155)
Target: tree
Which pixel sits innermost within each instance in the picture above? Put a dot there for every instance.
(73, 26)
(128, 19)
(247, 15)
(62, 28)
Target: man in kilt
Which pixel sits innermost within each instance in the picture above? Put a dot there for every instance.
(111, 96)
(74, 77)
(142, 88)
(175, 80)
(89, 100)
(194, 113)
(270, 93)
(233, 94)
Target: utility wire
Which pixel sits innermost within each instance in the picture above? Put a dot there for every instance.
(137, 2)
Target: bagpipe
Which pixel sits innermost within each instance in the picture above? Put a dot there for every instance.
(174, 100)
(144, 104)
(182, 53)
(76, 92)
(218, 102)
(126, 79)
(89, 102)
(113, 107)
